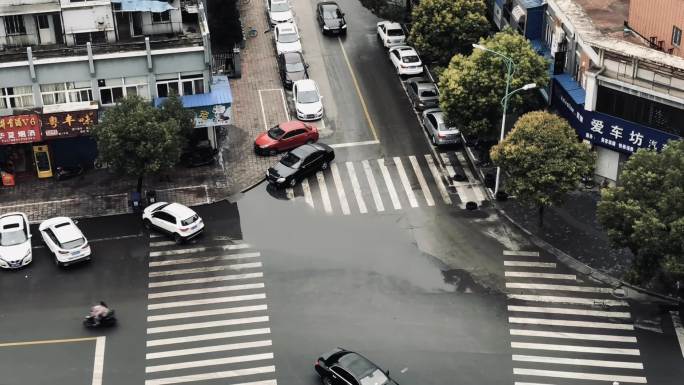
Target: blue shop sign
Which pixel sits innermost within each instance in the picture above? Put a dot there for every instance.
(606, 130)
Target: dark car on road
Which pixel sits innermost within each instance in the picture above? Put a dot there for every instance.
(300, 163)
(344, 367)
(330, 18)
(423, 93)
(292, 67)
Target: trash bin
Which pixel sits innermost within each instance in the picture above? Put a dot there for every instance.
(135, 201)
(151, 196)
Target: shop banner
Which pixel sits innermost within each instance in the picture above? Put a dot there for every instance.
(15, 129)
(606, 130)
(210, 116)
(68, 124)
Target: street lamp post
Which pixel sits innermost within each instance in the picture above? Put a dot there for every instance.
(510, 70)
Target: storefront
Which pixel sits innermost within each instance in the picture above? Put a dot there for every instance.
(67, 133)
(18, 136)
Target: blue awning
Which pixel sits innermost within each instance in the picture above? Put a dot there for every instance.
(156, 6)
(540, 47)
(571, 86)
(220, 94)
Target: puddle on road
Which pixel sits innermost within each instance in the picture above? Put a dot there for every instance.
(463, 282)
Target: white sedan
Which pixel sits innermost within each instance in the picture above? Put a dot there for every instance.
(286, 38)
(391, 34)
(181, 222)
(405, 60)
(65, 240)
(308, 100)
(15, 241)
(279, 12)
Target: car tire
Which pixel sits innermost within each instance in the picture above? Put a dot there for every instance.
(272, 152)
(324, 166)
(327, 380)
(309, 141)
(177, 238)
(147, 224)
(292, 182)
(57, 262)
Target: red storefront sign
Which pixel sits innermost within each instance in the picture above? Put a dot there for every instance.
(68, 124)
(15, 129)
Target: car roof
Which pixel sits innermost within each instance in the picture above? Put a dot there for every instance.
(306, 85)
(12, 219)
(286, 27)
(304, 150)
(437, 113)
(278, 1)
(392, 25)
(406, 51)
(288, 56)
(292, 125)
(356, 364)
(328, 4)
(65, 230)
(179, 210)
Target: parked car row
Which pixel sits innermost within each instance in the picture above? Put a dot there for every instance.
(422, 92)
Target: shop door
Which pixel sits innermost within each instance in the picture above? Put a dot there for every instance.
(123, 25)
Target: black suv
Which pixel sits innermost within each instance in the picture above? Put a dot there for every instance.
(344, 367)
(330, 18)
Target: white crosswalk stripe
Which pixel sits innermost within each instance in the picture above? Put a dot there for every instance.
(289, 193)
(356, 187)
(224, 312)
(341, 194)
(323, 189)
(438, 179)
(373, 186)
(421, 180)
(308, 198)
(389, 184)
(405, 182)
(585, 322)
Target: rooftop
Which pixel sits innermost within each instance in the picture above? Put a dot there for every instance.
(607, 15)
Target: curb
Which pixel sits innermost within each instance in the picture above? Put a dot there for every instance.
(582, 267)
(253, 185)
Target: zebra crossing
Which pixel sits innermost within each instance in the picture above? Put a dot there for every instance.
(565, 330)
(383, 185)
(207, 318)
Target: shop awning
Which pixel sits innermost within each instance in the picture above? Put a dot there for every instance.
(156, 6)
(220, 94)
(571, 86)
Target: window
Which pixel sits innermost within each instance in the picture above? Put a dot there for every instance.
(14, 25)
(92, 37)
(16, 97)
(187, 85)
(61, 93)
(162, 17)
(43, 21)
(113, 90)
(676, 36)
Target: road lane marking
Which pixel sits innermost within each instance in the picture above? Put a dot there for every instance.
(572, 336)
(211, 362)
(183, 261)
(358, 91)
(354, 144)
(578, 324)
(579, 375)
(679, 330)
(205, 313)
(206, 301)
(263, 112)
(544, 286)
(208, 349)
(438, 179)
(216, 376)
(578, 362)
(208, 324)
(219, 289)
(307, 192)
(390, 186)
(373, 186)
(287, 111)
(356, 187)
(341, 195)
(421, 181)
(289, 193)
(192, 281)
(323, 189)
(206, 337)
(575, 348)
(405, 182)
(161, 243)
(521, 253)
(559, 310)
(530, 264)
(526, 274)
(98, 364)
(572, 300)
(47, 342)
(198, 250)
(236, 266)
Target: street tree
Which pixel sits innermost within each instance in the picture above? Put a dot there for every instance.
(542, 160)
(172, 108)
(134, 140)
(442, 28)
(393, 10)
(472, 87)
(645, 212)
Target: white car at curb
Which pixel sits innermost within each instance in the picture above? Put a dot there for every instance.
(15, 241)
(390, 34)
(406, 60)
(286, 38)
(65, 240)
(307, 99)
(279, 11)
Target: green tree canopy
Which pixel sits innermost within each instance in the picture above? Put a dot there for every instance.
(645, 213)
(134, 140)
(172, 108)
(393, 10)
(542, 159)
(442, 28)
(472, 87)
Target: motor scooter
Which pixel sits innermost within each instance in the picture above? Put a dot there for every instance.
(106, 321)
(66, 172)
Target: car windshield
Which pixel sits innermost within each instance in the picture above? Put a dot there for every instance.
(410, 59)
(280, 7)
(377, 377)
(160, 207)
(288, 37)
(73, 244)
(295, 66)
(12, 237)
(189, 221)
(290, 160)
(307, 97)
(275, 132)
(395, 32)
(331, 13)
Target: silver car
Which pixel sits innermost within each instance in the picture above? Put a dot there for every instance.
(440, 134)
(423, 93)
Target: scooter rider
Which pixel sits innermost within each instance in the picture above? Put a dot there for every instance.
(98, 312)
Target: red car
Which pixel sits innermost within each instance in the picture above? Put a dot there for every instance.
(285, 136)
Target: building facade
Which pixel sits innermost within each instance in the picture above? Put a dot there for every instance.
(660, 24)
(619, 95)
(63, 62)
